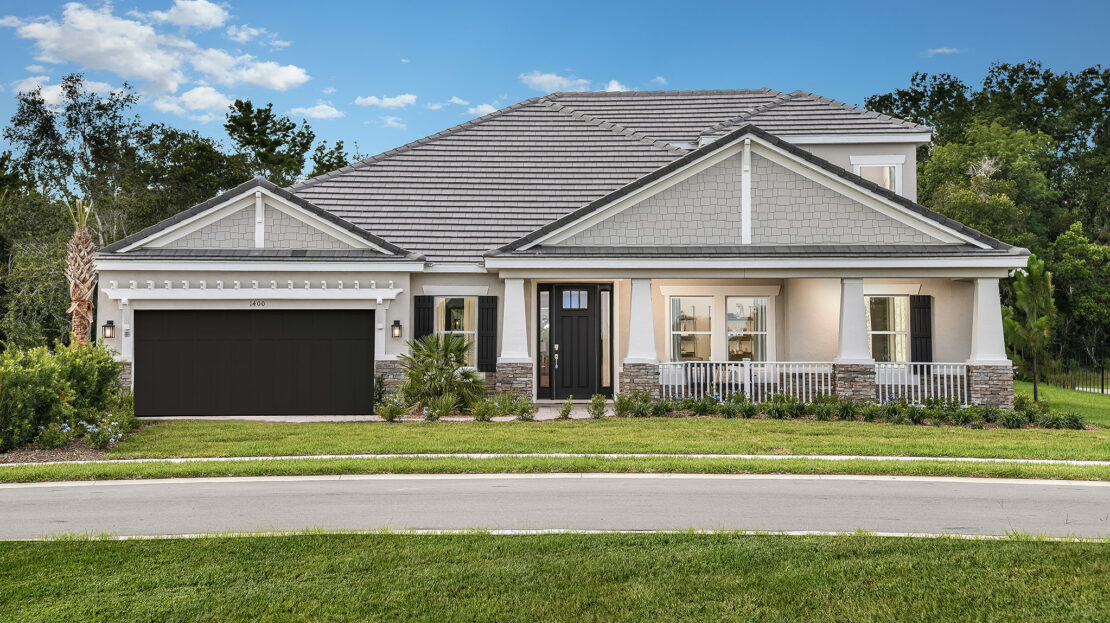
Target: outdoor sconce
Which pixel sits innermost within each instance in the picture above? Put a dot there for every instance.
(109, 329)
(396, 326)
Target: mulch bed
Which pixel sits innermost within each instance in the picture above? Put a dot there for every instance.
(78, 450)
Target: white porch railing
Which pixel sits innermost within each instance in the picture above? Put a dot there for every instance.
(917, 382)
(758, 380)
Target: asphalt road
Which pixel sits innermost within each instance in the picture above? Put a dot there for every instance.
(593, 502)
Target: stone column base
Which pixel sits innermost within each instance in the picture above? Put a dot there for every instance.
(855, 382)
(640, 377)
(126, 376)
(515, 378)
(991, 385)
(391, 370)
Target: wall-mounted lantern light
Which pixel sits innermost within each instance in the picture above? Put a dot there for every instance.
(396, 326)
(109, 330)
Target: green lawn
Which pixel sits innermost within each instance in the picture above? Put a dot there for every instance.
(653, 435)
(1094, 407)
(474, 577)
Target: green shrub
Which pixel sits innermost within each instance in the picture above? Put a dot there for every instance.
(483, 410)
(748, 410)
(660, 408)
(937, 416)
(776, 410)
(1013, 419)
(873, 413)
(32, 395)
(963, 417)
(642, 409)
(622, 404)
(1073, 421)
(916, 414)
(392, 407)
(848, 410)
(989, 414)
(90, 374)
(525, 410)
(893, 411)
(705, 405)
(104, 429)
(1060, 420)
(729, 409)
(568, 406)
(596, 408)
(379, 388)
(796, 408)
(823, 411)
(1022, 401)
(686, 404)
(55, 435)
(436, 367)
(440, 406)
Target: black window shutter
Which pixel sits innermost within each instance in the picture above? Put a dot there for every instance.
(423, 316)
(921, 328)
(487, 333)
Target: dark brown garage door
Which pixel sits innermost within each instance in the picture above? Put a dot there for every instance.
(265, 362)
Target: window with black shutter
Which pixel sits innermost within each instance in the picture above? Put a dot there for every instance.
(921, 328)
(423, 317)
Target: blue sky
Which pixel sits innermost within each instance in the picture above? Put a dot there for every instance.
(385, 73)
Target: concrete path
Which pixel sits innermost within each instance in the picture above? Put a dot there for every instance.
(559, 501)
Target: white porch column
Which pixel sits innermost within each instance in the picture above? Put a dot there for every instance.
(641, 325)
(988, 346)
(514, 323)
(852, 341)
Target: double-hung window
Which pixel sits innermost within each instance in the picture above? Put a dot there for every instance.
(459, 315)
(691, 328)
(888, 327)
(747, 327)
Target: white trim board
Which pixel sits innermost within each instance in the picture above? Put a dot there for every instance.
(245, 265)
(890, 289)
(548, 262)
(455, 290)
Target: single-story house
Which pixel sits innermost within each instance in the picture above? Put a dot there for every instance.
(675, 242)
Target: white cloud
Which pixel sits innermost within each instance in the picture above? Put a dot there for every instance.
(230, 70)
(458, 101)
(36, 69)
(393, 122)
(659, 80)
(52, 93)
(198, 13)
(481, 109)
(11, 21)
(134, 50)
(404, 60)
(936, 51)
(548, 82)
(202, 104)
(244, 33)
(322, 110)
(399, 101)
(434, 105)
(615, 86)
(328, 91)
(278, 43)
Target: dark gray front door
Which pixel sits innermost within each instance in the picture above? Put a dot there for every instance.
(264, 362)
(575, 342)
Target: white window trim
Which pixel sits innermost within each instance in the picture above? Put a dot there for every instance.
(439, 331)
(893, 160)
(871, 332)
(719, 326)
(765, 332)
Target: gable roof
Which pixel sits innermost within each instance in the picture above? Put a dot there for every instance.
(698, 154)
(118, 248)
(480, 185)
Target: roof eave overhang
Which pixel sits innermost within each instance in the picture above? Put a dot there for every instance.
(997, 261)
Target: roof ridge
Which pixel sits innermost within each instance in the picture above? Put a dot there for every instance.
(846, 106)
(556, 94)
(354, 166)
(777, 101)
(612, 126)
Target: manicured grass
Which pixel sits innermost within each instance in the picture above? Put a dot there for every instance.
(651, 435)
(539, 465)
(1095, 408)
(610, 577)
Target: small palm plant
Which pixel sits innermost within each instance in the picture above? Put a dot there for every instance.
(436, 366)
(80, 271)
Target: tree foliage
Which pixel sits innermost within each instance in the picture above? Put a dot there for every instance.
(274, 147)
(326, 160)
(1028, 324)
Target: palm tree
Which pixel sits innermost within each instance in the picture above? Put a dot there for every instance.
(80, 271)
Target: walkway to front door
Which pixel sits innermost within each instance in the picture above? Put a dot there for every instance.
(575, 340)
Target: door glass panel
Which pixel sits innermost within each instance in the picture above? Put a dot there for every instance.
(576, 299)
(545, 339)
(606, 348)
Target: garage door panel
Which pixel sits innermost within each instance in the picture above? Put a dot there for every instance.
(271, 362)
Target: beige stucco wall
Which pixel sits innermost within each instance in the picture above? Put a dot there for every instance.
(840, 155)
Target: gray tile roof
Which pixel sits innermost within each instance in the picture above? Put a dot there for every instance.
(752, 251)
(481, 185)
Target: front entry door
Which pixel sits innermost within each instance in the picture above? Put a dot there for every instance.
(575, 342)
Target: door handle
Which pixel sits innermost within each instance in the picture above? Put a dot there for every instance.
(556, 360)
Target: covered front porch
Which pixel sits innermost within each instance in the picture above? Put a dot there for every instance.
(863, 337)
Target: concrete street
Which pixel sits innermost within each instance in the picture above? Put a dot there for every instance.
(589, 502)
